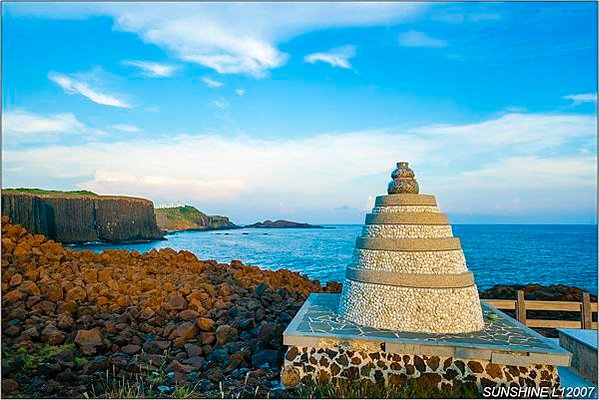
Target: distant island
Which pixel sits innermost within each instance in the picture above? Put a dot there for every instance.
(281, 223)
(189, 218)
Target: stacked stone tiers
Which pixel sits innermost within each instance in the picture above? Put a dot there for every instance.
(408, 271)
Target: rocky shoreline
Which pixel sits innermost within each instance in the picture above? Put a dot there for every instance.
(70, 316)
(157, 324)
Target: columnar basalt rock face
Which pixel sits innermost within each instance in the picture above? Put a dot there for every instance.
(78, 219)
(310, 364)
(409, 272)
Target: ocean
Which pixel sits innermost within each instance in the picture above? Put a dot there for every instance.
(496, 254)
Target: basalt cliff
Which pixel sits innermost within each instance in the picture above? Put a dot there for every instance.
(77, 217)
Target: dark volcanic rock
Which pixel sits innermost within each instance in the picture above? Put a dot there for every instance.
(282, 224)
(82, 218)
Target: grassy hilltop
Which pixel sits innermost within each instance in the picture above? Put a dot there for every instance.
(44, 192)
(189, 218)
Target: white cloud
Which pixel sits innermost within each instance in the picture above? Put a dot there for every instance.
(239, 38)
(220, 103)
(73, 85)
(126, 128)
(240, 92)
(337, 57)
(472, 168)
(20, 122)
(153, 69)
(420, 39)
(582, 98)
(532, 172)
(213, 83)
(516, 131)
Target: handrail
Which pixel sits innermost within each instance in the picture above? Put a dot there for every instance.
(585, 307)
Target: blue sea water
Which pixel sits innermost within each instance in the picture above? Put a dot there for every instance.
(497, 254)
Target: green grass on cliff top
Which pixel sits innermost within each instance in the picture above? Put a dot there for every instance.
(185, 212)
(50, 192)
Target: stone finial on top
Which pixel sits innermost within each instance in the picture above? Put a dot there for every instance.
(403, 180)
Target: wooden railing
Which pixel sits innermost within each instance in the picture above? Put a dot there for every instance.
(520, 306)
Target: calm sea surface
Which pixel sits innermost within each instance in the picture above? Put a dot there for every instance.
(497, 254)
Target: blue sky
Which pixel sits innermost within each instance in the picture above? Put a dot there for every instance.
(300, 111)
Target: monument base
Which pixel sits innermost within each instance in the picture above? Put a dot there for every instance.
(322, 347)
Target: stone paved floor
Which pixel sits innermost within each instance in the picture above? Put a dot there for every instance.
(320, 319)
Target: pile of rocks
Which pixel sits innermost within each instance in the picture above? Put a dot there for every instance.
(209, 324)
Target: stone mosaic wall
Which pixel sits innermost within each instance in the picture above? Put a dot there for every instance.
(382, 209)
(407, 234)
(407, 231)
(411, 309)
(308, 364)
(425, 262)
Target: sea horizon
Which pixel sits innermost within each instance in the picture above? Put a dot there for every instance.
(548, 254)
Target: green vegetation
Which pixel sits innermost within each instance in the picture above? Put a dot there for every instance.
(143, 384)
(189, 218)
(182, 213)
(43, 192)
(29, 358)
(371, 390)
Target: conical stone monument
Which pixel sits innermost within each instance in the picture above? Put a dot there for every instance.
(410, 312)
(408, 271)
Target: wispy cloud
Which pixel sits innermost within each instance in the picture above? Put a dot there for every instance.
(240, 92)
(337, 57)
(213, 83)
(126, 128)
(220, 103)
(582, 98)
(72, 84)
(153, 69)
(24, 123)
(237, 38)
(414, 38)
(461, 17)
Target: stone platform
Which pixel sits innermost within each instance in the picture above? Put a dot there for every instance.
(324, 347)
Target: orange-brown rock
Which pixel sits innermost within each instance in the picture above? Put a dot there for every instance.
(29, 288)
(16, 280)
(205, 324)
(76, 293)
(140, 311)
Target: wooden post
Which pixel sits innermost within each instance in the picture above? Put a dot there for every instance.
(520, 307)
(586, 318)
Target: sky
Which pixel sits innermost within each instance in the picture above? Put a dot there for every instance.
(301, 110)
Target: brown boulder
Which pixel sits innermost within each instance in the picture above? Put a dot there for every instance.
(188, 314)
(29, 288)
(193, 350)
(16, 280)
(9, 386)
(54, 293)
(176, 366)
(89, 340)
(130, 349)
(90, 275)
(226, 334)
(205, 324)
(176, 303)
(12, 296)
(185, 331)
(52, 336)
(207, 338)
(77, 293)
